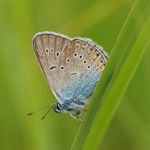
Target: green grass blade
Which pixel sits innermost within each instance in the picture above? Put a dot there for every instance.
(85, 20)
(125, 57)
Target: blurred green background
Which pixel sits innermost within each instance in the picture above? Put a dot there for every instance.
(23, 87)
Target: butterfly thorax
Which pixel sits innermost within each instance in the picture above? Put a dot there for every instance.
(74, 108)
(69, 105)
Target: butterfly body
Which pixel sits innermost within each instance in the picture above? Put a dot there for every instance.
(72, 67)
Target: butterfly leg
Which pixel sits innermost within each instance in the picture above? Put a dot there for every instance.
(76, 115)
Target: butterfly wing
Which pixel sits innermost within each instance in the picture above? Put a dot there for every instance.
(49, 47)
(71, 66)
(88, 63)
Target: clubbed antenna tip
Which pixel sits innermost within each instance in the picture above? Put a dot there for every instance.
(29, 114)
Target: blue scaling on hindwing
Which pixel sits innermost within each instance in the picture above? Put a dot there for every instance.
(88, 85)
(81, 87)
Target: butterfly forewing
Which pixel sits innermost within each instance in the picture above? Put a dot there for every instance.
(71, 66)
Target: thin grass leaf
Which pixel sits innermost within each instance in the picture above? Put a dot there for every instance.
(91, 16)
(124, 59)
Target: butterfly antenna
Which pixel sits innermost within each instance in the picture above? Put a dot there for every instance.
(39, 109)
(46, 114)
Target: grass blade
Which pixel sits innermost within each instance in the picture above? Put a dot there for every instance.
(125, 57)
(85, 20)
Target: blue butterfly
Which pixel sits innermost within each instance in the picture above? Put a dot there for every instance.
(72, 67)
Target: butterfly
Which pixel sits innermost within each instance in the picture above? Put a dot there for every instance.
(72, 67)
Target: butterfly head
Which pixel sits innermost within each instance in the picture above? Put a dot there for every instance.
(58, 108)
